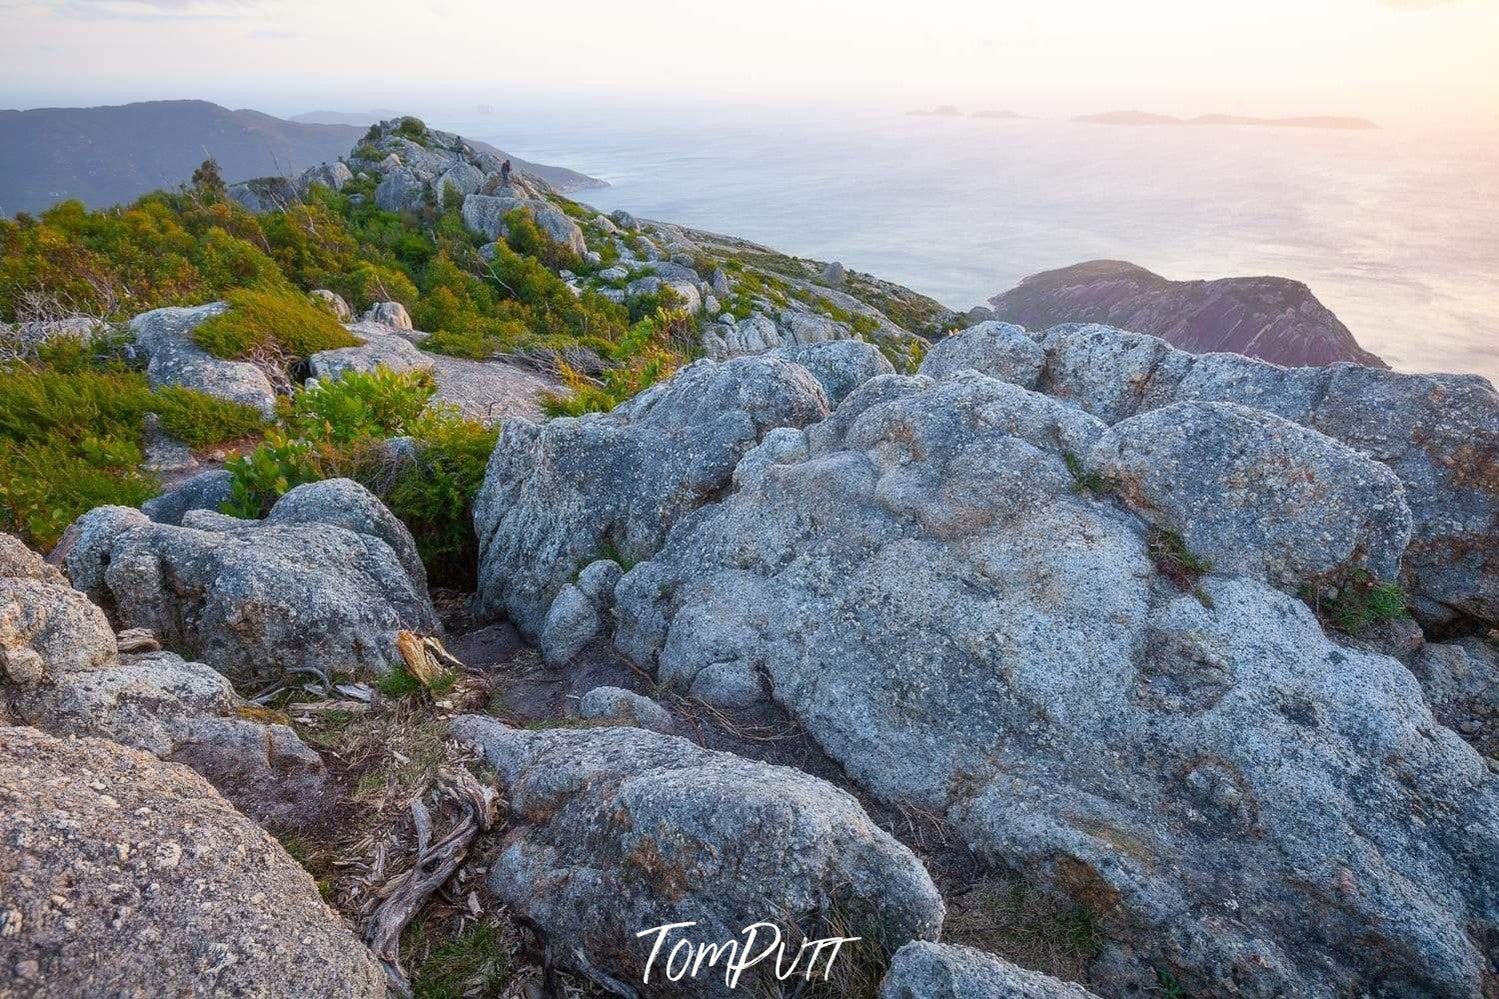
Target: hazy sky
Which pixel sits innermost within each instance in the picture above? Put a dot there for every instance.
(1396, 60)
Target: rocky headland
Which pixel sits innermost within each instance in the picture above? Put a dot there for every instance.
(563, 595)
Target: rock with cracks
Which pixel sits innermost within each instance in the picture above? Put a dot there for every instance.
(557, 496)
(121, 875)
(924, 970)
(1238, 798)
(617, 830)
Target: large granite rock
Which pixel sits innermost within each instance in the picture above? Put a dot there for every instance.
(618, 830)
(1237, 797)
(256, 599)
(923, 970)
(559, 495)
(124, 876)
(840, 366)
(205, 491)
(484, 214)
(165, 335)
(1000, 350)
(1256, 494)
(1438, 433)
(345, 503)
(402, 189)
(1271, 318)
(45, 624)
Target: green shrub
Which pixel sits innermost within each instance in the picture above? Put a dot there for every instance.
(200, 420)
(1356, 601)
(275, 467)
(44, 488)
(360, 404)
(271, 319)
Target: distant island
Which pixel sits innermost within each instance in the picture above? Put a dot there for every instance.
(362, 119)
(1149, 118)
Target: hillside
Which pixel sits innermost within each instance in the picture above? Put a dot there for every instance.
(109, 155)
(1272, 318)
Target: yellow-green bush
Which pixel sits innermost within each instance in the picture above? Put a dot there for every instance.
(271, 319)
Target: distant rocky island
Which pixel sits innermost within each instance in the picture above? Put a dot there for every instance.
(1271, 318)
(106, 156)
(363, 119)
(1149, 118)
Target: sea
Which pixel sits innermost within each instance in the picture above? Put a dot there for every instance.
(1396, 229)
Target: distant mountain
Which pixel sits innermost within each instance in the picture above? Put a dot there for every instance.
(1272, 318)
(109, 155)
(1148, 118)
(364, 119)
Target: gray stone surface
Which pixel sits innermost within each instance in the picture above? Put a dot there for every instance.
(839, 366)
(334, 303)
(402, 188)
(204, 491)
(625, 707)
(558, 496)
(1257, 494)
(186, 712)
(166, 337)
(45, 625)
(255, 601)
(124, 876)
(616, 830)
(1438, 433)
(923, 970)
(391, 314)
(1461, 683)
(571, 623)
(331, 175)
(999, 350)
(926, 594)
(345, 503)
(484, 214)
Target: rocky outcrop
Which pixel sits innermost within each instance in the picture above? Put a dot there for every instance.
(1438, 433)
(185, 712)
(482, 390)
(580, 613)
(924, 970)
(256, 599)
(615, 705)
(1238, 798)
(165, 335)
(840, 366)
(999, 350)
(1461, 682)
(1270, 318)
(1256, 494)
(560, 495)
(617, 830)
(484, 215)
(391, 314)
(122, 875)
(333, 302)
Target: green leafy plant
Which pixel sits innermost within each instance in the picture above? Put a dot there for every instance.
(271, 319)
(360, 404)
(200, 420)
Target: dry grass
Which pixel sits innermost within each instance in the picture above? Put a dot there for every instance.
(1005, 916)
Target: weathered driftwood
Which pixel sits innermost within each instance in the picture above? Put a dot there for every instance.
(436, 860)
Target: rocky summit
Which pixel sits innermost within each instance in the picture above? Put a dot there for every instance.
(427, 585)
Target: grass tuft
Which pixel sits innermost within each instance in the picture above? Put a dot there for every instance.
(268, 319)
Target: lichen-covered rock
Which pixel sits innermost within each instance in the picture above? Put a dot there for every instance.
(45, 624)
(186, 712)
(258, 599)
(462, 177)
(625, 707)
(121, 875)
(1237, 797)
(402, 188)
(617, 830)
(1256, 494)
(999, 350)
(205, 491)
(923, 970)
(559, 495)
(331, 175)
(166, 337)
(1438, 433)
(840, 366)
(345, 503)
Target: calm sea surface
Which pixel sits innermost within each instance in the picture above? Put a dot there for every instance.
(1396, 231)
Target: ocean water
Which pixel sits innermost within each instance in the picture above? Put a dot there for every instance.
(1395, 230)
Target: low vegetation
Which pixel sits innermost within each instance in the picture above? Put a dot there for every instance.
(1356, 601)
(72, 435)
(341, 429)
(270, 321)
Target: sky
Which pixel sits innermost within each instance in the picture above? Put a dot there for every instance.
(1396, 61)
